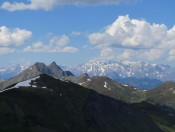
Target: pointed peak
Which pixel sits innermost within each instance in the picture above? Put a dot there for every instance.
(38, 66)
(53, 64)
(84, 75)
(55, 68)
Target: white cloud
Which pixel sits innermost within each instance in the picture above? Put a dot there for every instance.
(127, 54)
(56, 44)
(132, 33)
(171, 55)
(59, 41)
(50, 4)
(148, 41)
(75, 34)
(152, 54)
(6, 50)
(172, 52)
(13, 37)
(107, 54)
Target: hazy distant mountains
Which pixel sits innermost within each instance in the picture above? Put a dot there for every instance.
(11, 71)
(138, 74)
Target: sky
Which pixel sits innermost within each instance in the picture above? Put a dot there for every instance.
(72, 32)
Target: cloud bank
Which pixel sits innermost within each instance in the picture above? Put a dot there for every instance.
(50, 4)
(56, 44)
(136, 38)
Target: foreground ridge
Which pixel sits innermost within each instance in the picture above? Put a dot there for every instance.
(49, 104)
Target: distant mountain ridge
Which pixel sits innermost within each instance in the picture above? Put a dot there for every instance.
(112, 69)
(139, 74)
(124, 69)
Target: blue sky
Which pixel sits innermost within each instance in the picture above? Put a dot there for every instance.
(76, 31)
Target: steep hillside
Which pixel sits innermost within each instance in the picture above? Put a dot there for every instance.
(109, 87)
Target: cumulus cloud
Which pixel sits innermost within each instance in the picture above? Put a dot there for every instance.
(50, 4)
(13, 37)
(131, 33)
(60, 41)
(5, 50)
(147, 40)
(56, 44)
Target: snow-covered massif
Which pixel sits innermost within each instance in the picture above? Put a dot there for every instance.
(124, 69)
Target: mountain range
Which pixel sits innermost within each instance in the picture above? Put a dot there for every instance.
(101, 84)
(124, 69)
(139, 74)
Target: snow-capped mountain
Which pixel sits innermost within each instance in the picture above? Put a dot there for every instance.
(11, 71)
(125, 69)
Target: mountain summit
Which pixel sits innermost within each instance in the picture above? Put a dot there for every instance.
(35, 70)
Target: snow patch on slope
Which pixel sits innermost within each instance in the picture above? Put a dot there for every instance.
(23, 83)
(107, 86)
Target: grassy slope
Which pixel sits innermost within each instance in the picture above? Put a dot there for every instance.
(117, 91)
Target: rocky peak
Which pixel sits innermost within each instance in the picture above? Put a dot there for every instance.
(85, 75)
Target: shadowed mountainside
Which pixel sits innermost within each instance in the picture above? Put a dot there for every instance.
(55, 105)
